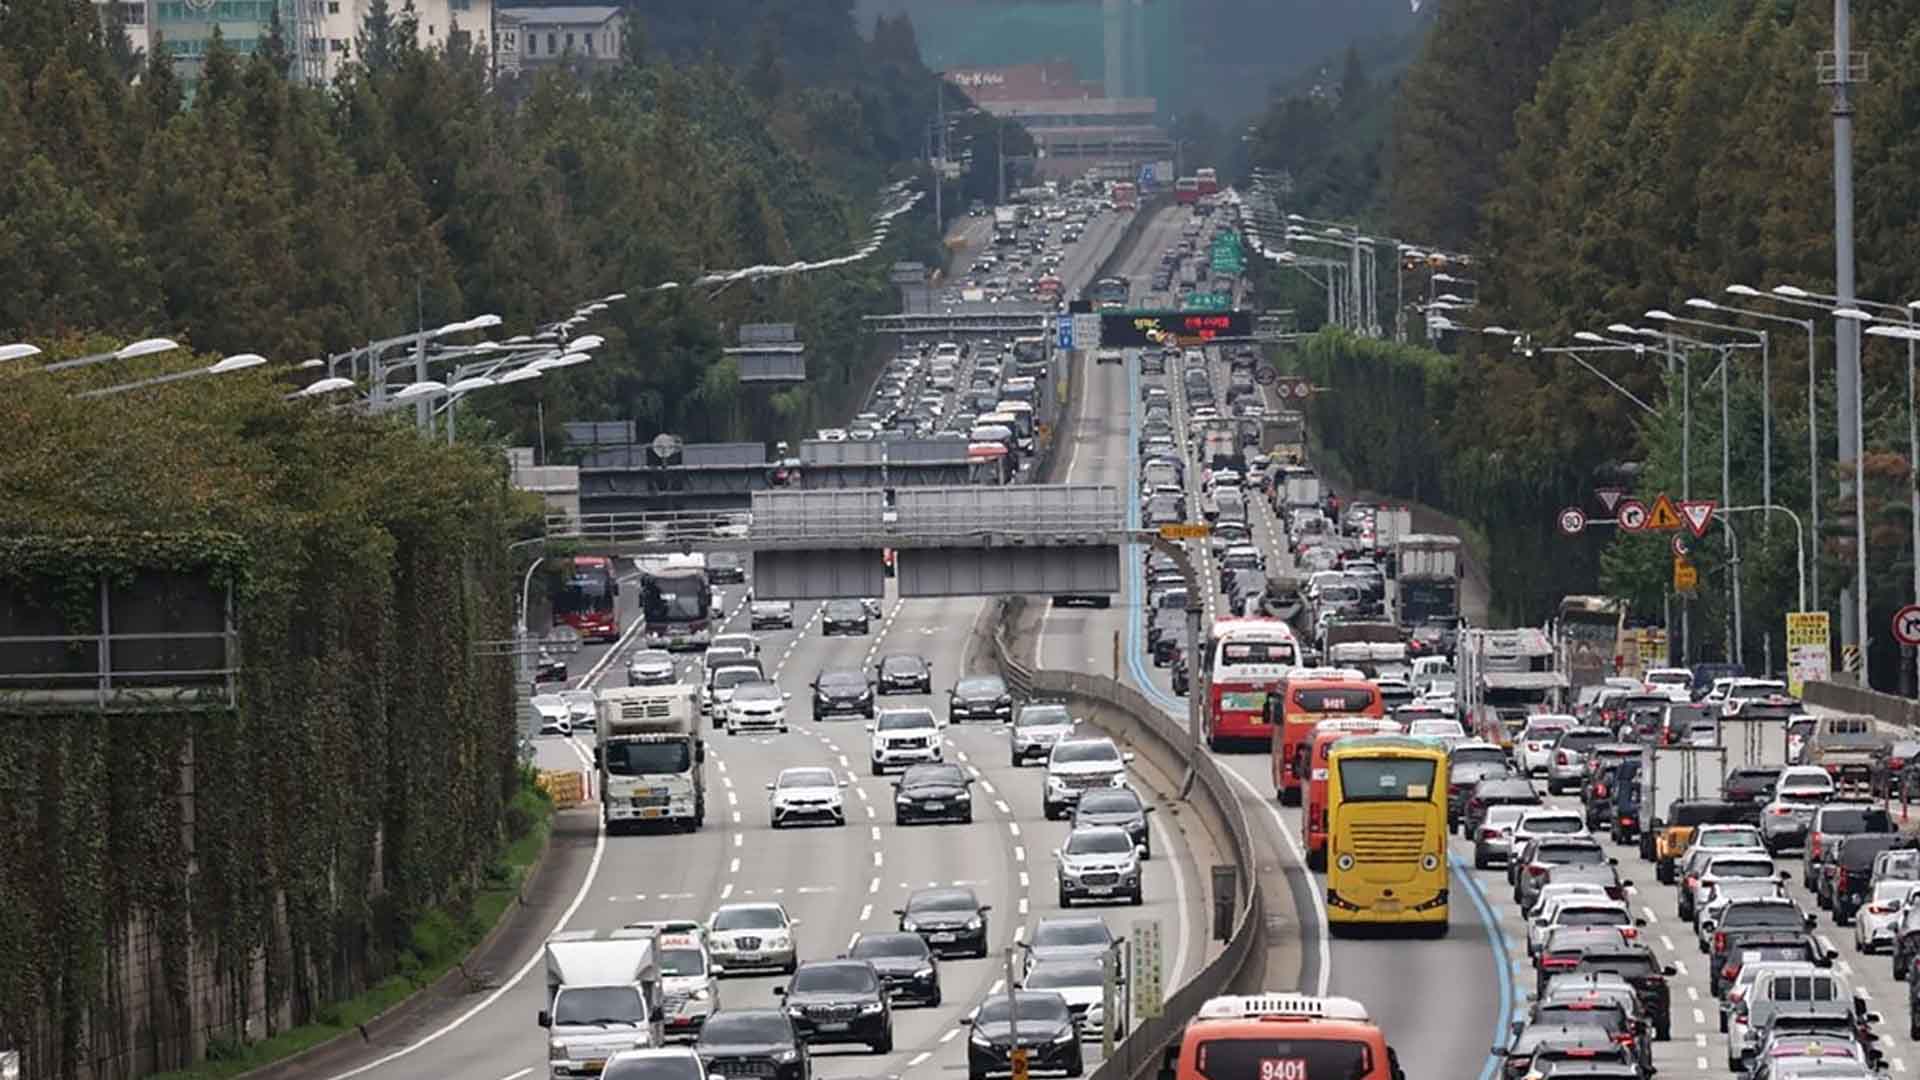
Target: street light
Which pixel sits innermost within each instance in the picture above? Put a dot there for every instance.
(1766, 396)
(133, 351)
(236, 362)
(18, 351)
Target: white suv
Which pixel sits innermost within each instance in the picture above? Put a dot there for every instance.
(1078, 765)
(903, 737)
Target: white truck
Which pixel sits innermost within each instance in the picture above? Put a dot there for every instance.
(1376, 659)
(1299, 488)
(650, 757)
(603, 996)
(1669, 774)
(1755, 739)
(1390, 523)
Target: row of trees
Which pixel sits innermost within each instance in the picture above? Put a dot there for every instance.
(1608, 157)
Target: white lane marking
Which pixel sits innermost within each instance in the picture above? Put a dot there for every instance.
(736, 817)
(1699, 1018)
(1181, 900)
(862, 792)
(986, 786)
(962, 755)
(726, 781)
(1019, 853)
(1023, 879)
(870, 813)
(1652, 919)
(517, 1075)
(1023, 906)
(1019, 934)
(1321, 939)
(951, 1035)
(1666, 942)
(998, 985)
(877, 859)
(739, 839)
(843, 761)
(919, 1059)
(1700, 1063)
(1680, 966)
(1013, 827)
(732, 799)
(866, 912)
(733, 867)
(726, 890)
(1693, 993)
(1001, 805)
(876, 831)
(721, 764)
(873, 886)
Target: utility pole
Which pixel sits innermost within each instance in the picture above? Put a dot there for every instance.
(1838, 72)
(940, 151)
(1000, 157)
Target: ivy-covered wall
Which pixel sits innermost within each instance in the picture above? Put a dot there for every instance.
(174, 880)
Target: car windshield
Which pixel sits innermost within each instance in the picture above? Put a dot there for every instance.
(1041, 1007)
(847, 680)
(729, 677)
(756, 691)
(1055, 974)
(682, 962)
(813, 978)
(808, 778)
(1264, 1058)
(1730, 838)
(933, 776)
(1098, 842)
(1552, 824)
(1085, 751)
(1628, 965)
(980, 687)
(902, 665)
(905, 720)
(1765, 915)
(845, 609)
(652, 658)
(597, 1005)
(628, 758)
(1855, 819)
(750, 918)
(1592, 917)
(681, 1066)
(1741, 868)
(747, 1026)
(1491, 755)
(943, 901)
(1569, 854)
(1072, 933)
(889, 945)
(1116, 801)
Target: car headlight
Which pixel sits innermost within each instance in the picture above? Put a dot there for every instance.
(924, 973)
(778, 941)
(1056, 783)
(556, 1050)
(909, 925)
(903, 800)
(1065, 1036)
(870, 1008)
(796, 1011)
(787, 1056)
(973, 923)
(980, 1038)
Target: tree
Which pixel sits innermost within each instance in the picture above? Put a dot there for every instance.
(1353, 79)
(219, 72)
(160, 90)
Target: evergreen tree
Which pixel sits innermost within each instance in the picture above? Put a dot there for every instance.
(160, 90)
(219, 72)
(1353, 79)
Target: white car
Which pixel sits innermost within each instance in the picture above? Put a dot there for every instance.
(753, 935)
(1078, 765)
(807, 793)
(757, 706)
(770, 614)
(1534, 747)
(746, 643)
(833, 434)
(1580, 911)
(652, 667)
(1676, 683)
(1552, 892)
(902, 737)
(1082, 982)
(721, 682)
(1535, 824)
(1875, 924)
(581, 706)
(1036, 727)
(555, 717)
(1448, 731)
(656, 1063)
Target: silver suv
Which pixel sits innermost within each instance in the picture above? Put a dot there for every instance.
(1099, 862)
(1567, 761)
(1035, 728)
(1078, 765)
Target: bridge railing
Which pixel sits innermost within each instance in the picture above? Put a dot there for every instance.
(1141, 1052)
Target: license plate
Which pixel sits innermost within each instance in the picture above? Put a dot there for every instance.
(933, 806)
(747, 958)
(1099, 890)
(678, 640)
(593, 1066)
(1387, 907)
(651, 812)
(836, 1025)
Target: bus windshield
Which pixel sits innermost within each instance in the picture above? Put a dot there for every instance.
(588, 588)
(1283, 1059)
(675, 596)
(1386, 780)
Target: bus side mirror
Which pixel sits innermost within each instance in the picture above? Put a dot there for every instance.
(596, 756)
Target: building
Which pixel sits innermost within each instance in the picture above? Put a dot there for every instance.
(530, 38)
(132, 18)
(1075, 123)
(322, 34)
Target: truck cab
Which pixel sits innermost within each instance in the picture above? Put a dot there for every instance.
(650, 757)
(604, 995)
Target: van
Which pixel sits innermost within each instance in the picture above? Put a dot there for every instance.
(1795, 989)
(1020, 388)
(1022, 413)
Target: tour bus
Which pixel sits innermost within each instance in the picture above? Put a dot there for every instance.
(1047, 288)
(1208, 180)
(1020, 388)
(1246, 660)
(1186, 190)
(1279, 1035)
(588, 598)
(1125, 195)
(677, 603)
(986, 464)
(1387, 833)
(1313, 807)
(1308, 695)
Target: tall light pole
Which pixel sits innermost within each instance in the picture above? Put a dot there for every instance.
(1838, 72)
(1766, 395)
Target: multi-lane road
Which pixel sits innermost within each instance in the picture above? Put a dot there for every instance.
(836, 881)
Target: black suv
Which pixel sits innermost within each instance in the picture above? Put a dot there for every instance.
(1495, 791)
(842, 691)
(904, 673)
(839, 1001)
(905, 963)
(979, 697)
(1462, 778)
(1637, 964)
(951, 919)
(753, 1042)
(1597, 793)
(937, 792)
(1120, 807)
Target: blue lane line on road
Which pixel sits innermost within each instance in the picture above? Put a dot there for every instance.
(1497, 944)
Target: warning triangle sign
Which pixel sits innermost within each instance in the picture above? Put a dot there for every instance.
(1699, 512)
(1662, 517)
(1609, 497)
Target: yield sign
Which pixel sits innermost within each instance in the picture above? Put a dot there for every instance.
(1698, 513)
(1662, 516)
(1609, 497)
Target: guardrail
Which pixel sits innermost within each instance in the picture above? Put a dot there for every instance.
(1141, 1052)
(1889, 709)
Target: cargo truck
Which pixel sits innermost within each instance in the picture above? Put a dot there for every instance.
(1426, 571)
(1754, 739)
(650, 757)
(1283, 438)
(1670, 774)
(603, 996)
(1298, 488)
(1390, 523)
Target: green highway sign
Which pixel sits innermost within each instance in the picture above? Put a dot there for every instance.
(1206, 301)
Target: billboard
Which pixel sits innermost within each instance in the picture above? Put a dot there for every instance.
(1809, 658)
(1144, 329)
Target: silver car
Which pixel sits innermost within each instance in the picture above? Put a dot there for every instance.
(1567, 763)
(1099, 862)
(1875, 924)
(1493, 844)
(1035, 729)
(1785, 821)
(747, 936)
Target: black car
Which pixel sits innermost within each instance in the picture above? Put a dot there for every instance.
(951, 919)
(550, 668)
(1463, 777)
(839, 1001)
(1046, 1029)
(725, 568)
(753, 1042)
(1516, 1058)
(843, 617)
(1495, 791)
(979, 697)
(1742, 920)
(842, 691)
(1750, 784)
(937, 792)
(1637, 964)
(904, 673)
(906, 965)
(1119, 807)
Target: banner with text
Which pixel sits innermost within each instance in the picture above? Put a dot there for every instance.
(1809, 656)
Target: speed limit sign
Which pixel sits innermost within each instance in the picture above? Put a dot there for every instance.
(1572, 521)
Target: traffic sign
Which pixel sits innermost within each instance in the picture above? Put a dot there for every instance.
(1699, 513)
(1018, 1059)
(1906, 625)
(1292, 387)
(1065, 340)
(1266, 374)
(1663, 516)
(1207, 301)
(1186, 530)
(1086, 331)
(1850, 657)
(1679, 546)
(1685, 577)
(1609, 497)
(1631, 515)
(1573, 521)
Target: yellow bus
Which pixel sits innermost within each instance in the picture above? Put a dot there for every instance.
(1387, 833)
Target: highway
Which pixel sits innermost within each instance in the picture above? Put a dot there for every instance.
(836, 881)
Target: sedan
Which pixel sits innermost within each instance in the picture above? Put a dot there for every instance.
(904, 673)
(555, 717)
(906, 965)
(652, 667)
(757, 705)
(979, 697)
(839, 1001)
(1083, 983)
(842, 691)
(807, 793)
(752, 935)
(1038, 1021)
(933, 793)
(843, 617)
(951, 919)
(753, 1042)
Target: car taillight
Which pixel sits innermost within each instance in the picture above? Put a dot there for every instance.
(1625, 1038)
(1895, 763)
(1840, 878)
(1692, 881)
(1630, 932)
(1833, 768)
(1626, 821)
(1731, 971)
(1555, 962)
(1537, 870)
(1880, 909)
(1780, 811)
(1719, 941)
(1734, 996)
(1813, 847)
(1599, 791)
(1561, 757)
(1489, 834)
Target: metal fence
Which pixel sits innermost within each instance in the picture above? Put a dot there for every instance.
(1141, 1052)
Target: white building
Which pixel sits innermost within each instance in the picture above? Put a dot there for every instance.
(326, 34)
(132, 15)
(530, 38)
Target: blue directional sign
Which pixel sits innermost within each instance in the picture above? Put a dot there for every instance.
(1066, 332)
(1146, 175)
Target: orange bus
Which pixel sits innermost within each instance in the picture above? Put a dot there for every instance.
(1301, 701)
(1281, 1036)
(1313, 808)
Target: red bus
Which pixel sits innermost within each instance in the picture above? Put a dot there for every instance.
(1313, 808)
(1246, 660)
(1186, 190)
(587, 600)
(1126, 196)
(1208, 181)
(1303, 700)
